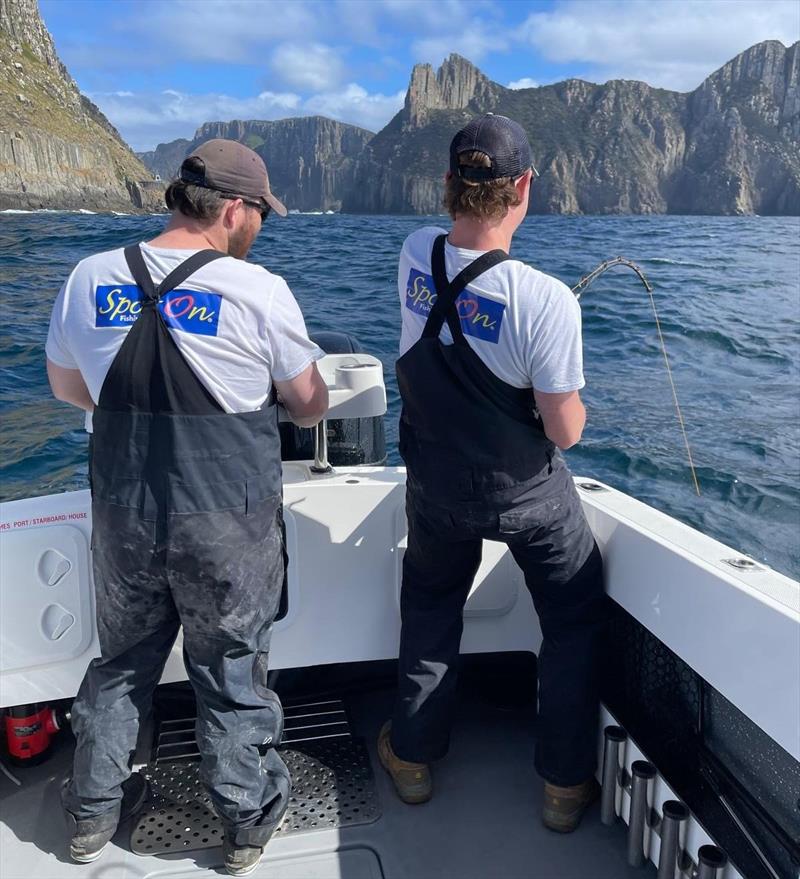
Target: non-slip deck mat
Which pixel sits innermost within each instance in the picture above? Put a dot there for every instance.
(332, 780)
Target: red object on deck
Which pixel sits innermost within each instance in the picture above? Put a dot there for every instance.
(29, 730)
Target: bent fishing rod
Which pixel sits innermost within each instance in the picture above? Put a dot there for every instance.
(583, 285)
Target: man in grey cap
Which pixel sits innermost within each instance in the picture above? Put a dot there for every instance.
(176, 348)
(489, 375)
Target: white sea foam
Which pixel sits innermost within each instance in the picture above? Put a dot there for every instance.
(36, 211)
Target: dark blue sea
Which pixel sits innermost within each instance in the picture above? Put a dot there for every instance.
(728, 292)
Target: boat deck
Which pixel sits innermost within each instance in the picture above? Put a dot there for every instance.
(483, 822)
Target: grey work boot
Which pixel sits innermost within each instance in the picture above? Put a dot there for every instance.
(241, 860)
(412, 781)
(564, 806)
(91, 835)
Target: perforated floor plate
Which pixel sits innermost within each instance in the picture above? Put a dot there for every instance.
(333, 786)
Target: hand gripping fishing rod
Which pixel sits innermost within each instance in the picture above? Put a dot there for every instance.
(584, 284)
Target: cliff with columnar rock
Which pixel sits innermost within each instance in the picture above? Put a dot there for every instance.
(57, 150)
(732, 146)
(310, 158)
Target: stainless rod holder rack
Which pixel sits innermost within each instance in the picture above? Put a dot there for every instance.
(642, 774)
(674, 861)
(674, 815)
(614, 736)
(321, 464)
(711, 861)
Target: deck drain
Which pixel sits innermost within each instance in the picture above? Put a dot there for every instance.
(333, 786)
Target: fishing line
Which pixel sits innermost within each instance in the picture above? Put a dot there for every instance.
(583, 285)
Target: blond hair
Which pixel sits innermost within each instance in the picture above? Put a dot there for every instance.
(484, 199)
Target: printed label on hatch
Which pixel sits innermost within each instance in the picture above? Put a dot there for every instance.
(480, 317)
(119, 305)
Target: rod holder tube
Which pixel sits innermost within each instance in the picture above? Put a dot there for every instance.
(614, 736)
(321, 464)
(674, 814)
(641, 774)
(711, 861)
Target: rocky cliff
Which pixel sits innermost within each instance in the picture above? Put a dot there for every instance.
(310, 158)
(732, 146)
(166, 158)
(57, 150)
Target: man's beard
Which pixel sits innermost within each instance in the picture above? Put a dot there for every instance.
(240, 241)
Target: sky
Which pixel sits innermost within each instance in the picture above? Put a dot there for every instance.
(160, 68)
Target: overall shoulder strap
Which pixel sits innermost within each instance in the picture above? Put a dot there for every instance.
(188, 267)
(136, 264)
(135, 261)
(448, 291)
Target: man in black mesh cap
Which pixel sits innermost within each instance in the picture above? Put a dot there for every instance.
(489, 374)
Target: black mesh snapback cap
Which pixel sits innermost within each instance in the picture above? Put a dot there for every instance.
(504, 142)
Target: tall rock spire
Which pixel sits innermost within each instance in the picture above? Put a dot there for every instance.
(457, 84)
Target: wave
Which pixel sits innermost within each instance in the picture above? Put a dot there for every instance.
(49, 211)
(36, 211)
(660, 260)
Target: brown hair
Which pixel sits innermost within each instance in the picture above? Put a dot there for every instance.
(485, 199)
(193, 201)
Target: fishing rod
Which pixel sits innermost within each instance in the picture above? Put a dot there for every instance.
(584, 285)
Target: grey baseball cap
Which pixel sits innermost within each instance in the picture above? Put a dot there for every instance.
(232, 168)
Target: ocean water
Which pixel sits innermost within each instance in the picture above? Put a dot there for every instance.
(728, 293)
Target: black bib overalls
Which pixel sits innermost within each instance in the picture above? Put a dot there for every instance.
(481, 468)
(186, 530)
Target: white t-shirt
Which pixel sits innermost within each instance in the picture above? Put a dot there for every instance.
(237, 325)
(524, 325)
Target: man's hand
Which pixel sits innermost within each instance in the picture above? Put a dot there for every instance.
(68, 385)
(305, 397)
(563, 416)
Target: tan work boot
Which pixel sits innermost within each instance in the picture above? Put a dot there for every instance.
(564, 806)
(412, 781)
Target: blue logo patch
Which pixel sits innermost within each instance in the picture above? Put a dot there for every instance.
(188, 310)
(117, 306)
(191, 311)
(480, 317)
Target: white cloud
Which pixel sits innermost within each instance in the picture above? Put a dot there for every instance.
(472, 41)
(356, 105)
(308, 66)
(221, 31)
(146, 119)
(472, 28)
(667, 43)
(525, 83)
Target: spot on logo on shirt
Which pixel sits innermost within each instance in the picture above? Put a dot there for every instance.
(119, 306)
(480, 317)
